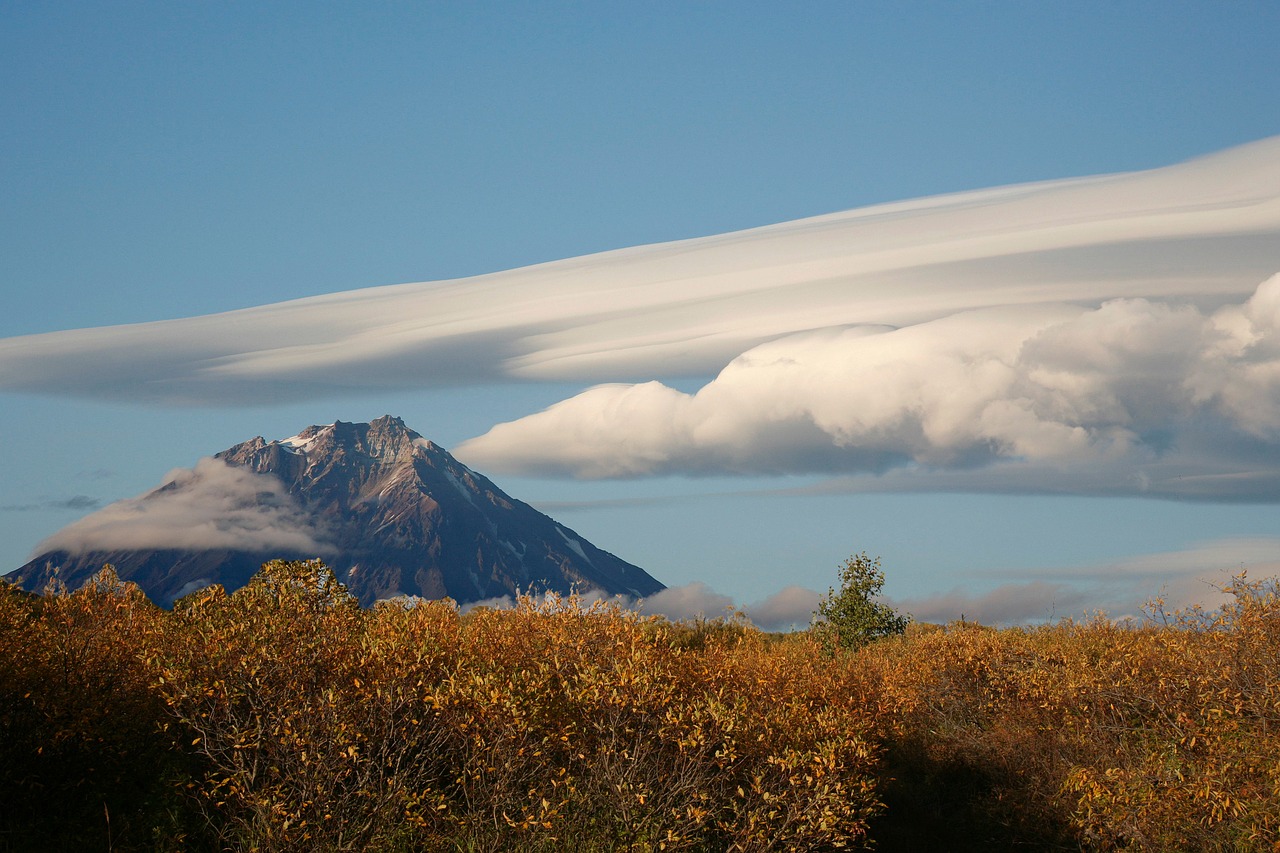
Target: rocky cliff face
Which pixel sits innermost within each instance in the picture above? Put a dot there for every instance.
(396, 515)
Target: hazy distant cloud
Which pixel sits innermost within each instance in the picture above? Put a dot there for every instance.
(502, 602)
(790, 607)
(214, 505)
(1195, 575)
(1009, 604)
(1131, 384)
(1119, 589)
(690, 601)
(787, 609)
(551, 507)
(75, 502)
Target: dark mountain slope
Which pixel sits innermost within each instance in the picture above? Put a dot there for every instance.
(396, 514)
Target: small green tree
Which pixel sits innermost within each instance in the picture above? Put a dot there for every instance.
(852, 617)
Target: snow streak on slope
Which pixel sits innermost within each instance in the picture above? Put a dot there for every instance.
(1113, 322)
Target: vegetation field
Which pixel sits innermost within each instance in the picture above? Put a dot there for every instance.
(285, 717)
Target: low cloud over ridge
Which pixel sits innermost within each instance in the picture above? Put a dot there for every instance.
(790, 608)
(212, 506)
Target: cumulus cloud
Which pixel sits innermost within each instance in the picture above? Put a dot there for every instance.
(212, 506)
(1112, 390)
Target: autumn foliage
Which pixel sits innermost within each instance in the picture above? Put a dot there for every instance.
(1163, 735)
(307, 723)
(284, 717)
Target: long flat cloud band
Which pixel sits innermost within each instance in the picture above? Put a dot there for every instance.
(1122, 322)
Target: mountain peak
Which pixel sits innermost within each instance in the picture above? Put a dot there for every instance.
(394, 513)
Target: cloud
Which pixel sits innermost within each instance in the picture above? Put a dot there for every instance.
(1204, 230)
(212, 506)
(1121, 393)
(691, 601)
(1008, 604)
(78, 502)
(791, 607)
(1119, 588)
(502, 602)
(1101, 335)
(75, 502)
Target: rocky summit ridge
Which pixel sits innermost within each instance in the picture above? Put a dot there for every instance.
(394, 514)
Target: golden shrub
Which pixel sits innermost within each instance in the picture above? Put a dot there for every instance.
(285, 717)
(553, 725)
(1158, 736)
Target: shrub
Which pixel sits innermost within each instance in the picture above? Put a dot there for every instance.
(1155, 736)
(284, 717)
(87, 758)
(550, 726)
(853, 617)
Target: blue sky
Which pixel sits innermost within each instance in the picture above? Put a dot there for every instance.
(166, 161)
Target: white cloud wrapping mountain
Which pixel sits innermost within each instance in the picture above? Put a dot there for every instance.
(212, 506)
(1107, 331)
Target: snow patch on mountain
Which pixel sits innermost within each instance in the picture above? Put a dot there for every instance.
(297, 444)
(573, 544)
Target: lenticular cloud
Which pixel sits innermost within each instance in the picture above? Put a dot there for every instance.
(1111, 333)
